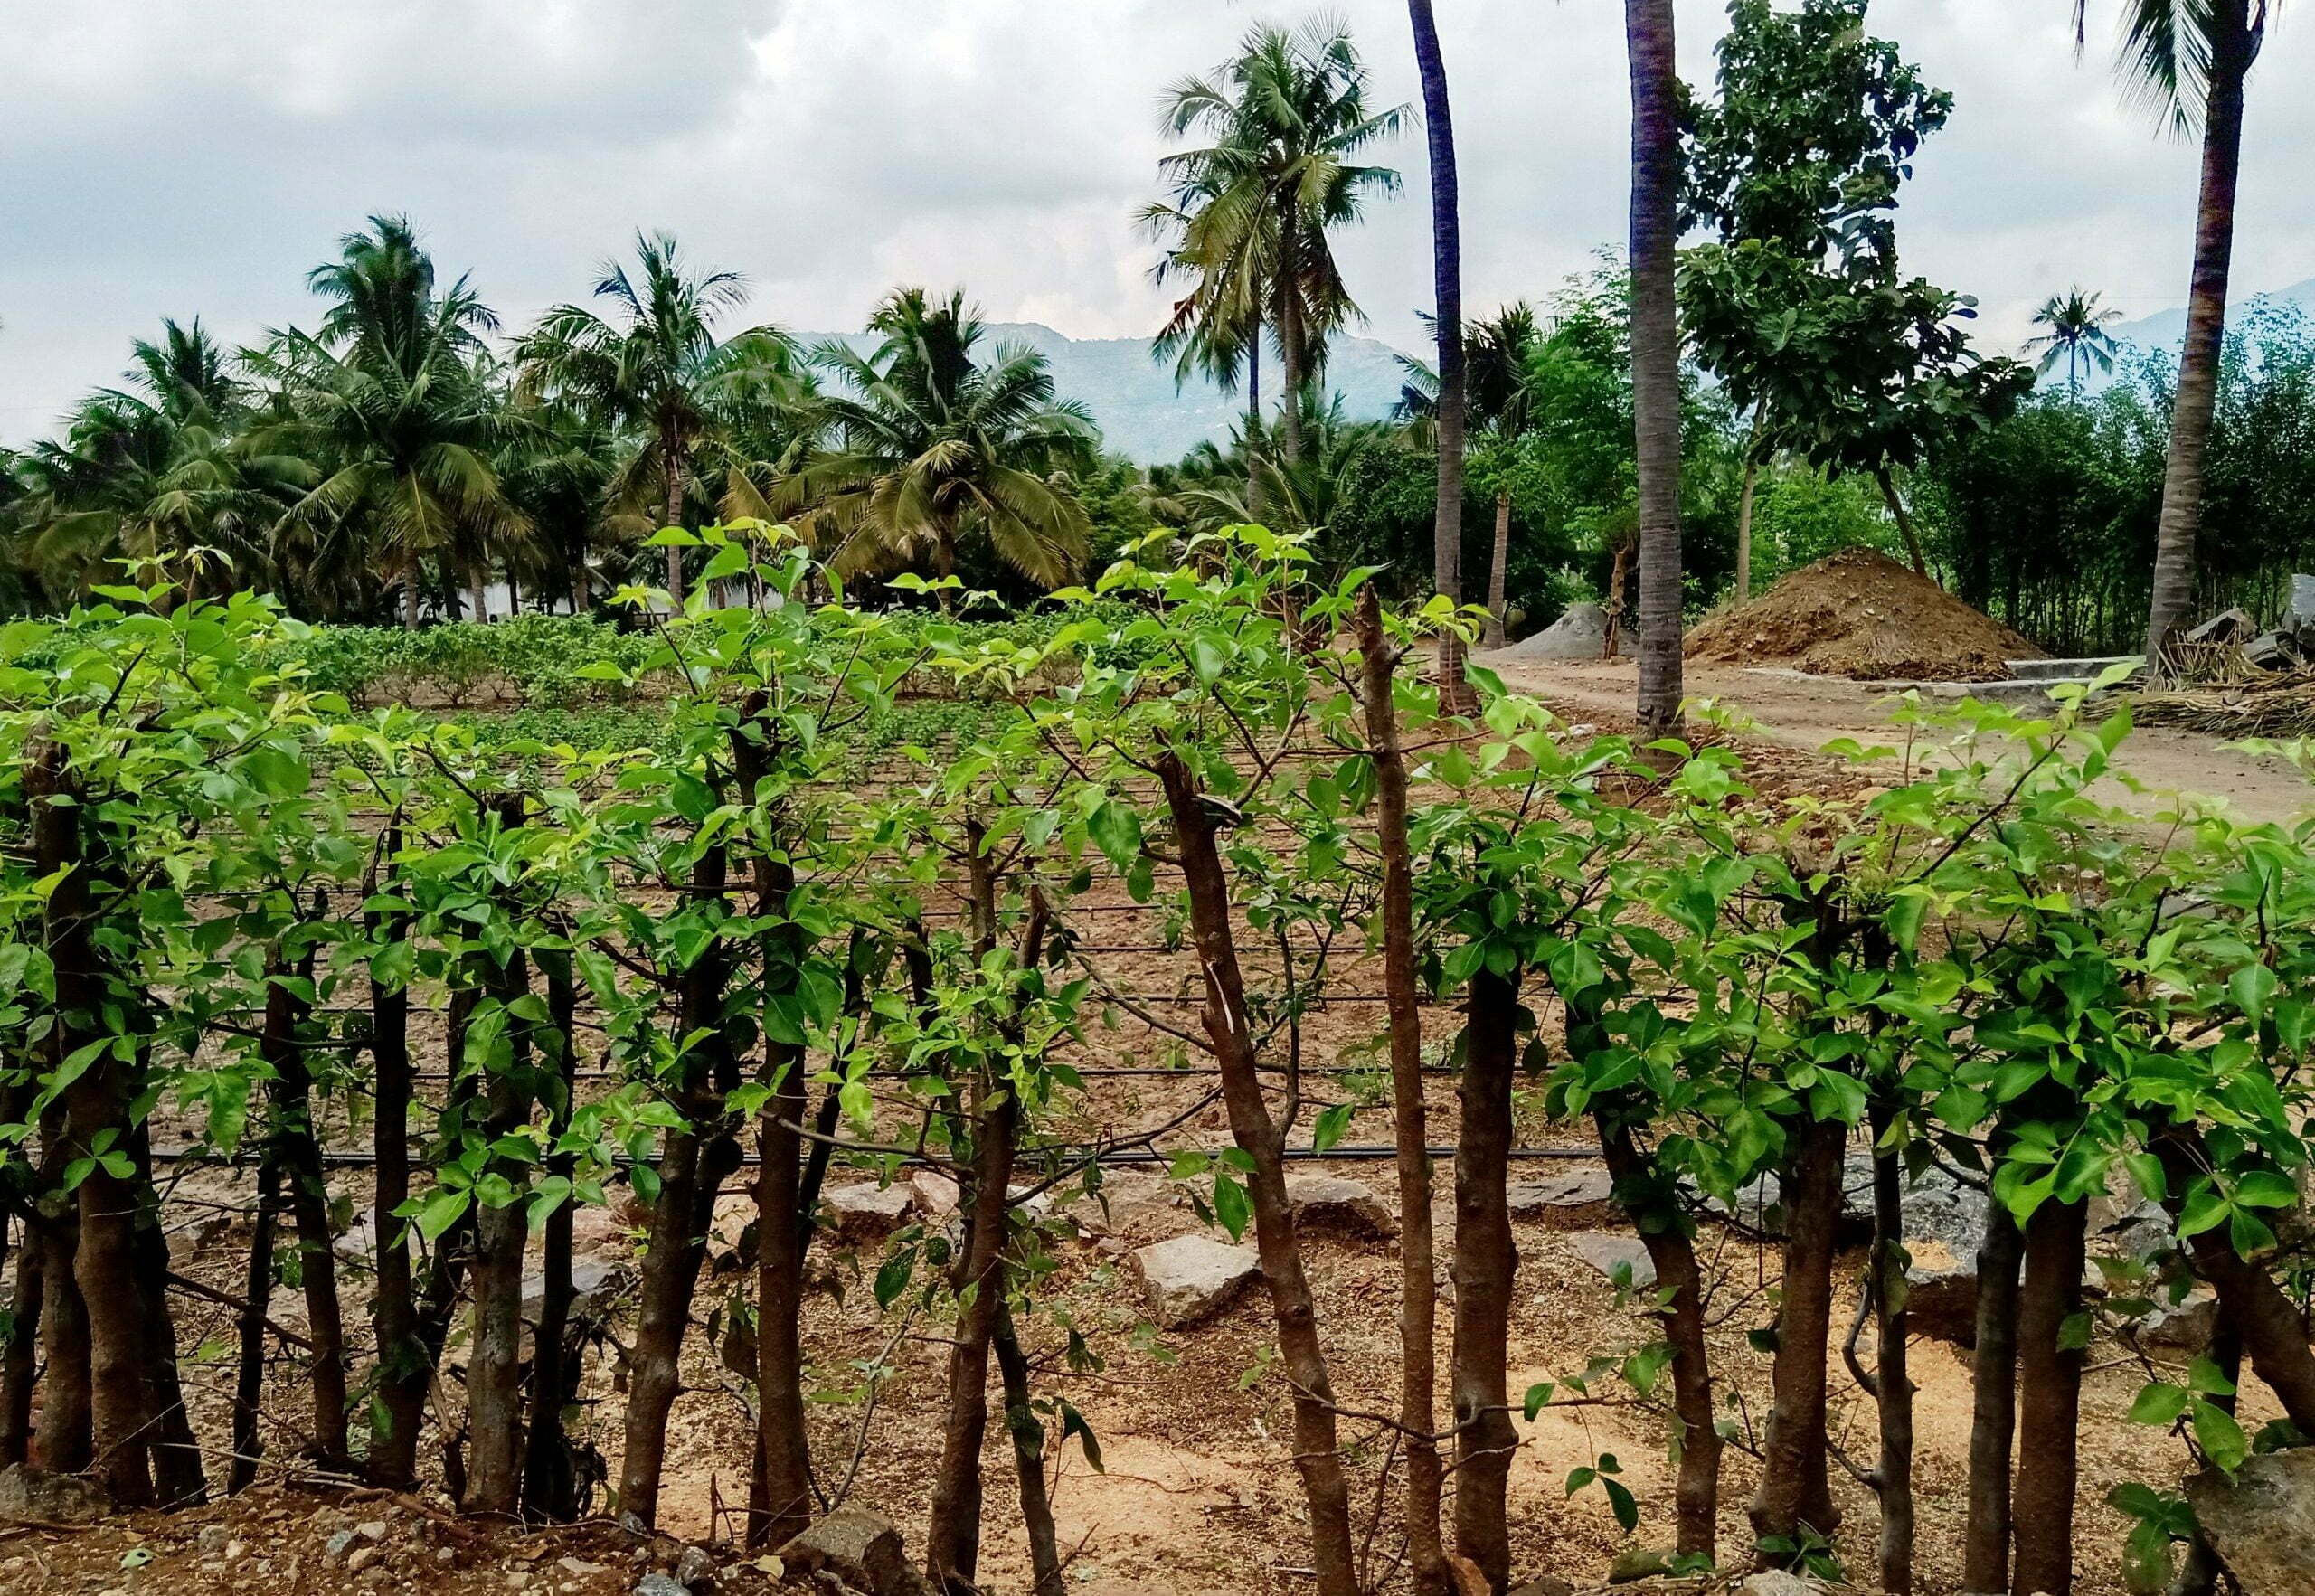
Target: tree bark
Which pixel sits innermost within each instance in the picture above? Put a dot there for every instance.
(1447, 293)
(1994, 1382)
(1418, 1287)
(2232, 47)
(1893, 1388)
(550, 1481)
(1301, 1353)
(1656, 356)
(257, 1296)
(952, 1541)
(1744, 530)
(1795, 1493)
(1499, 570)
(1254, 423)
(1293, 358)
(66, 1434)
(297, 1151)
(1649, 1199)
(1904, 520)
(95, 1108)
(694, 1160)
(495, 1370)
(672, 453)
(1485, 1264)
(20, 1358)
(410, 599)
(1028, 1461)
(403, 1365)
(2266, 1319)
(2049, 1404)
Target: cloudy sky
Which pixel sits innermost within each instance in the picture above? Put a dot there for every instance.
(182, 157)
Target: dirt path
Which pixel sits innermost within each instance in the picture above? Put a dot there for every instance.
(1807, 712)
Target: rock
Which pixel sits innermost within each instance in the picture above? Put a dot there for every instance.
(2302, 602)
(1758, 1204)
(694, 1567)
(1549, 1584)
(1582, 1196)
(2225, 627)
(2262, 1524)
(935, 1193)
(363, 1556)
(1190, 1278)
(211, 1539)
(1935, 1207)
(1129, 1200)
(375, 1530)
(864, 1210)
(34, 1495)
(858, 1547)
(1942, 1298)
(1329, 1202)
(1580, 633)
(1638, 1562)
(1610, 1254)
(577, 1565)
(656, 1583)
(592, 1279)
(2183, 1327)
(1774, 1582)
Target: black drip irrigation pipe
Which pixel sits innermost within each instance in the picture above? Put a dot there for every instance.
(1348, 1155)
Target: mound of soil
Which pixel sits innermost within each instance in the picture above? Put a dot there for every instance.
(1860, 614)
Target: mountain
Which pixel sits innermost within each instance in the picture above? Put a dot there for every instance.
(2166, 329)
(1134, 401)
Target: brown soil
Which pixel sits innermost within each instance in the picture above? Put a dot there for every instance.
(1860, 614)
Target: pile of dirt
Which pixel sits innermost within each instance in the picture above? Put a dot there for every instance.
(1860, 614)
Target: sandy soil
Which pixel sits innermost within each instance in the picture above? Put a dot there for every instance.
(1793, 711)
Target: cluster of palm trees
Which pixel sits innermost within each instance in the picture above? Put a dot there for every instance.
(400, 455)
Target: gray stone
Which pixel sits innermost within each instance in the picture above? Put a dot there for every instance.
(864, 1210)
(1127, 1200)
(2262, 1522)
(211, 1539)
(592, 1281)
(694, 1567)
(1584, 1196)
(1758, 1204)
(2223, 627)
(1192, 1278)
(1941, 1302)
(1580, 633)
(375, 1530)
(2183, 1327)
(1329, 1202)
(858, 1548)
(1775, 1581)
(1609, 1254)
(1936, 1206)
(2302, 602)
(334, 1547)
(34, 1495)
(656, 1583)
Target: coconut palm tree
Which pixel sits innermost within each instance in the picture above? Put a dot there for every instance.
(2191, 58)
(397, 406)
(931, 445)
(656, 367)
(1251, 210)
(1447, 519)
(154, 469)
(2077, 335)
(1656, 354)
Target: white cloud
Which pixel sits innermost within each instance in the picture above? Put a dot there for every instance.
(182, 157)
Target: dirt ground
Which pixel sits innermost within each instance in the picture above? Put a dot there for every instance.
(1793, 711)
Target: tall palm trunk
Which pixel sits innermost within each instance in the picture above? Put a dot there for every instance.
(1498, 563)
(409, 594)
(1254, 424)
(1290, 351)
(1655, 354)
(672, 451)
(2232, 46)
(1447, 291)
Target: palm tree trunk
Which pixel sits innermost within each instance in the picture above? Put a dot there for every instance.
(1255, 424)
(671, 450)
(1497, 564)
(1290, 351)
(409, 594)
(2232, 47)
(1744, 507)
(1447, 292)
(1655, 354)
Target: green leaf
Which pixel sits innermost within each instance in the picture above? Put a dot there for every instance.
(1116, 829)
(2160, 1403)
(1539, 1397)
(1229, 1206)
(1625, 1506)
(1331, 1126)
(2220, 1437)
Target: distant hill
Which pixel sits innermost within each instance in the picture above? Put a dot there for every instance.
(2166, 329)
(1140, 414)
